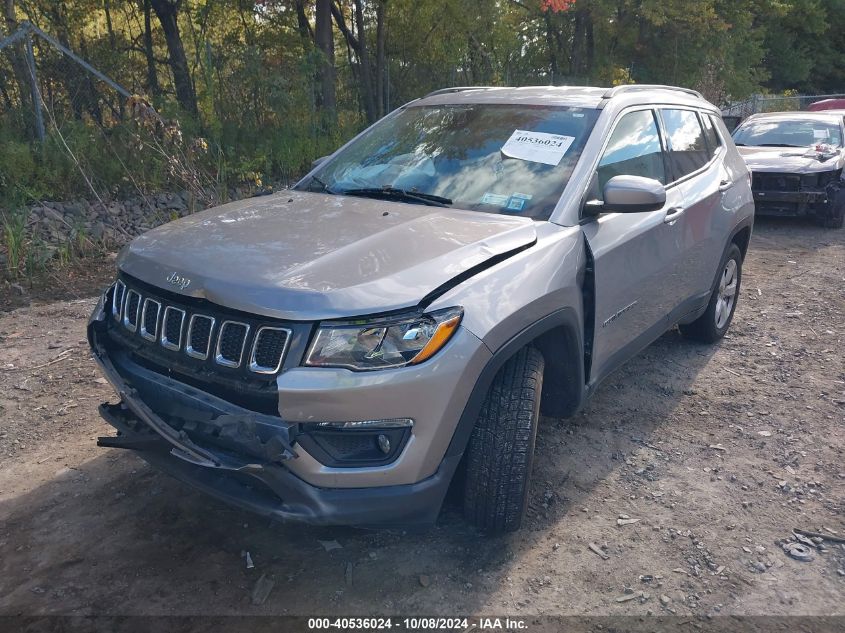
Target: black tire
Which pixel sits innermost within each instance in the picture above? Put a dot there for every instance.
(709, 327)
(836, 220)
(501, 448)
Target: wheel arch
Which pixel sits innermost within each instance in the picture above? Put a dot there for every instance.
(742, 238)
(559, 338)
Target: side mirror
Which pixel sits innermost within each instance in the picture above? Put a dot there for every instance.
(632, 194)
(317, 161)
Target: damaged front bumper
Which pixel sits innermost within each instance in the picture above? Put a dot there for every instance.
(789, 194)
(792, 203)
(241, 456)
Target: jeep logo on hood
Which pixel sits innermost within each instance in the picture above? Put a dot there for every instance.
(177, 280)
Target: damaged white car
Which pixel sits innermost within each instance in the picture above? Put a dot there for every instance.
(796, 160)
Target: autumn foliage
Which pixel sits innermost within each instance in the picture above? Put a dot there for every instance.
(254, 90)
(556, 6)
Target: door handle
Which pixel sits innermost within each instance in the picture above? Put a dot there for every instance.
(673, 213)
(725, 185)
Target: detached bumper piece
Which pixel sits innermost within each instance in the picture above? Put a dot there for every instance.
(239, 456)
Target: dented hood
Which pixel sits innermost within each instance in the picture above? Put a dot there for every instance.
(308, 256)
(790, 160)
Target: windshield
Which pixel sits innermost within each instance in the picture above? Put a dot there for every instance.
(788, 133)
(513, 159)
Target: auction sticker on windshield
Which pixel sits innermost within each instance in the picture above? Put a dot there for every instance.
(537, 147)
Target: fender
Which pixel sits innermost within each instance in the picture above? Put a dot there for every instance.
(564, 371)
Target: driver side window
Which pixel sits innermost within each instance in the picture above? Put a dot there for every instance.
(634, 149)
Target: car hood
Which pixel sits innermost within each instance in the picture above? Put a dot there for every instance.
(790, 160)
(308, 256)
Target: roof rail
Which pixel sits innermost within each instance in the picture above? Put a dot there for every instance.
(445, 91)
(612, 92)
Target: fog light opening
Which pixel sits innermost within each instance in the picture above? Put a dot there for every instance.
(356, 444)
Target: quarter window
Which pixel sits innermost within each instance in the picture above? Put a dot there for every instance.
(713, 140)
(687, 147)
(633, 150)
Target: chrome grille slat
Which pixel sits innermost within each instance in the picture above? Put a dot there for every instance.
(268, 356)
(131, 310)
(118, 295)
(197, 336)
(145, 316)
(231, 343)
(165, 339)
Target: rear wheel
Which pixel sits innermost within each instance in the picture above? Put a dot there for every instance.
(712, 325)
(501, 448)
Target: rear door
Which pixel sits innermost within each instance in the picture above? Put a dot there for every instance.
(634, 254)
(695, 153)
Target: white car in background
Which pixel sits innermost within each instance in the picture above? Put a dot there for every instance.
(796, 161)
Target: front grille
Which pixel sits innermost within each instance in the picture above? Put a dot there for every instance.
(168, 325)
(761, 181)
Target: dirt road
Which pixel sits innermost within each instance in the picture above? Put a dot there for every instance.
(718, 452)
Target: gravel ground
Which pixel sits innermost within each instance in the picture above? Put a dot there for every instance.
(714, 455)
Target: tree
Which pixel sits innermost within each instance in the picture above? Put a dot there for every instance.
(18, 62)
(167, 12)
(324, 40)
(280, 82)
(153, 88)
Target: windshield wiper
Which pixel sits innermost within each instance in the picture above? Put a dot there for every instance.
(323, 186)
(779, 145)
(401, 194)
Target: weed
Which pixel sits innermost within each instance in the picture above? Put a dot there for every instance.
(14, 240)
(37, 256)
(82, 243)
(64, 253)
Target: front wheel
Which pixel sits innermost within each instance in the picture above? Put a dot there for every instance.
(501, 448)
(837, 217)
(712, 325)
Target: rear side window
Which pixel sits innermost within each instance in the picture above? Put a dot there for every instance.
(713, 140)
(633, 149)
(687, 147)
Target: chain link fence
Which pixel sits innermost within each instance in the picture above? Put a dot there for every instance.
(737, 112)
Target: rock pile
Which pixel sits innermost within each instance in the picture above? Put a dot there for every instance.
(112, 223)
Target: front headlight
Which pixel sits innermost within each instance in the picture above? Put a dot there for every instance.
(396, 342)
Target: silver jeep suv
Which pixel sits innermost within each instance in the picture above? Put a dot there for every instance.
(336, 352)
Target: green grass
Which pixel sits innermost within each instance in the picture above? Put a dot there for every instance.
(14, 241)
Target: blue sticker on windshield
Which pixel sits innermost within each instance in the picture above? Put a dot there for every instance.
(515, 204)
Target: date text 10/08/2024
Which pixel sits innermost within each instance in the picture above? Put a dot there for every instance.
(416, 624)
